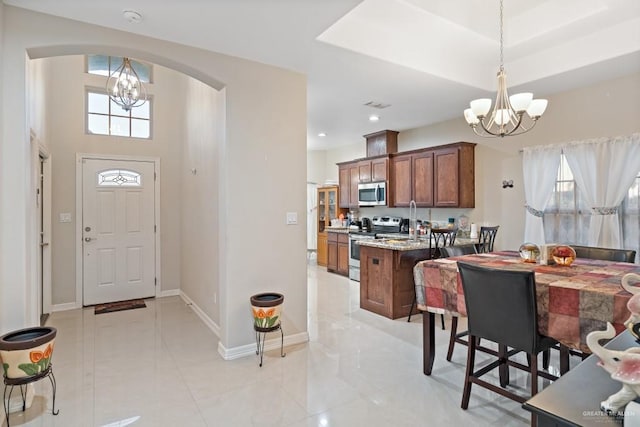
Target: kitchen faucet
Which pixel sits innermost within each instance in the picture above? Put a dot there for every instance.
(413, 220)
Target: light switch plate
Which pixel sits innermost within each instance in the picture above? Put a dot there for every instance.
(65, 217)
(292, 218)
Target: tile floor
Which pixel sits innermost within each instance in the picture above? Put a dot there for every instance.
(158, 366)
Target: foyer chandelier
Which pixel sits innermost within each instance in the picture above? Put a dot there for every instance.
(508, 115)
(125, 88)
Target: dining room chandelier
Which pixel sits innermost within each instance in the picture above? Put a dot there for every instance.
(508, 115)
(125, 88)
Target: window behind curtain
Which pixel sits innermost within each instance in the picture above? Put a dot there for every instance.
(630, 218)
(566, 217)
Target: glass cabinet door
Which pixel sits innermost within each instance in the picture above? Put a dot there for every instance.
(322, 203)
(332, 204)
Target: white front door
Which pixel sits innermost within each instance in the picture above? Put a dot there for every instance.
(118, 236)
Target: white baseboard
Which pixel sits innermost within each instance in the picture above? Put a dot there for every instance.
(250, 349)
(201, 314)
(170, 293)
(65, 307)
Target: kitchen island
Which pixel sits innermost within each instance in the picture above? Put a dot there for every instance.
(386, 275)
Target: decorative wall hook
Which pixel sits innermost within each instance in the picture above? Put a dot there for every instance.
(506, 183)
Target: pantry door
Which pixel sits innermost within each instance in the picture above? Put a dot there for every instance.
(118, 230)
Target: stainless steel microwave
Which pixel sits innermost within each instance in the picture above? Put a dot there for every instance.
(372, 194)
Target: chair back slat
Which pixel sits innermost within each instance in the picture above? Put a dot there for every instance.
(486, 238)
(441, 238)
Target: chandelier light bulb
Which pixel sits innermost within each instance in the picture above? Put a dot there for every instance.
(521, 101)
(480, 107)
(536, 108)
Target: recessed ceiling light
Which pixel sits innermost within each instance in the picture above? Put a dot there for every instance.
(373, 118)
(322, 134)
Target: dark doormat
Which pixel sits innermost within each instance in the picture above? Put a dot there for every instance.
(119, 306)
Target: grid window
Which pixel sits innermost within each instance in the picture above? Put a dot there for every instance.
(105, 117)
(103, 65)
(566, 217)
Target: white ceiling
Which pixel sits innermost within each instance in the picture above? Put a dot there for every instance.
(427, 58)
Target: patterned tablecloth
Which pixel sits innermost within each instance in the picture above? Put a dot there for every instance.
(572, 301)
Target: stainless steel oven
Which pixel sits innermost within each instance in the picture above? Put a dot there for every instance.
(354, 254)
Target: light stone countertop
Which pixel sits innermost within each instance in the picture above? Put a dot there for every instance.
(400, 244)
(341, 230)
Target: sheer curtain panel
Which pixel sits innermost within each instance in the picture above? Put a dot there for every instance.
(540, 168)
(604, 169)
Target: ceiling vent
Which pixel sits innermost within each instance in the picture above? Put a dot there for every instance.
(378, 105)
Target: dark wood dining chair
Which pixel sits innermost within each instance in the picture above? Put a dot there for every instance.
(501, 307)
(486, 238)
(442, 237)
(455, 337)
(605, 254)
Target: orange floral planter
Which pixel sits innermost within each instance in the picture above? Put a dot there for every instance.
(266, 309)
(27, 352)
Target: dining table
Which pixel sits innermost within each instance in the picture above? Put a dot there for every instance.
(571, 300)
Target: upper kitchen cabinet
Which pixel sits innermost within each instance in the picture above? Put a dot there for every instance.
(412, 179)
(440, 176)
(383, 142)
(350, 174)
(453, 177)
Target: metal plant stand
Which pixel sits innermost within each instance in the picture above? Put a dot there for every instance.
(10, 383)
(261, 335)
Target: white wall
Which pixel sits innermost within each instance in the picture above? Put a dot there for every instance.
(67, 80)
(262, 155)
(605, 109)
(316, 166)
(199, 194)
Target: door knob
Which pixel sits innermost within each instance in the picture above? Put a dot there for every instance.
(88, 239)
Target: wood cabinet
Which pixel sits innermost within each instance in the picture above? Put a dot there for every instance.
(434, 177)
(412, 179)
(322, 249)
(338, 253)
(441, 177)
(382, 142)
(386, 280)
(454, 181)
(328, 209)
(350, 174)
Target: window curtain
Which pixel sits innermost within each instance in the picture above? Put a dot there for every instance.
(604, 169)
(539, 166)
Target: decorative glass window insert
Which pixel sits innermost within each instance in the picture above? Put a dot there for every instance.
(105, 117)
(103, 65)
(119, 178)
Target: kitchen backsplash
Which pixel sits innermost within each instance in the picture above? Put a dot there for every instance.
(434, 215)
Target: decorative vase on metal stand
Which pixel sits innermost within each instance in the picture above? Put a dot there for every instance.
(266, 308)
(26, 357)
